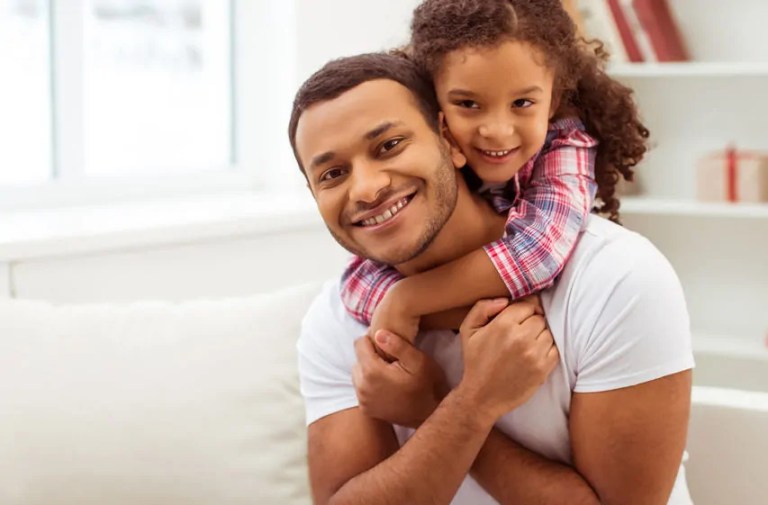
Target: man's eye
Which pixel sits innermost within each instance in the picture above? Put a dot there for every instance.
(522, 103)
(390, 144)
(331, 174)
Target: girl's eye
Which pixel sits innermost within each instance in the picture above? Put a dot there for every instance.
(522, 103)
(332, 174)
(467, 104)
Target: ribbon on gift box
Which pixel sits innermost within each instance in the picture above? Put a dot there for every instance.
(733, 159)
(731, 174)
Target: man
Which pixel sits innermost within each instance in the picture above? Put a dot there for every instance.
(511, 419)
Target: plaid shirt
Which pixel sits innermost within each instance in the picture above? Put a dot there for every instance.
(547, 202)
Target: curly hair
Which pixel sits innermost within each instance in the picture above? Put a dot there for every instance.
(606, 106)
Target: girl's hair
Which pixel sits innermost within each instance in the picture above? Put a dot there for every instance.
(604, 105)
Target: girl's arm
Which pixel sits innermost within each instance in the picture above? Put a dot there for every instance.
(363, 285)
(541, 232)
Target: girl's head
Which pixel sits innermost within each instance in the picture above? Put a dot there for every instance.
(504, 68)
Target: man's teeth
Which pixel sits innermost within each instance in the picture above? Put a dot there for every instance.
(497, 154)
(387, 214)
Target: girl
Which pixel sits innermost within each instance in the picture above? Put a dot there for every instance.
(541, 124)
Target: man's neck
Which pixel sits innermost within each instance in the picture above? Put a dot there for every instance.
(472, 224)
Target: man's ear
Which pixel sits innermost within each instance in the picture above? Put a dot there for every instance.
(458, 158)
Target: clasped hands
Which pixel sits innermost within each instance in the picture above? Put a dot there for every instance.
(508, 353)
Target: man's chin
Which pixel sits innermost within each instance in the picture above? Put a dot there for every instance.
(384, 253)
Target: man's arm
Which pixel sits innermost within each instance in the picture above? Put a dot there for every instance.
(407, 390)
(512, 474)
(629, 442)
(627, 446)
(354, 459)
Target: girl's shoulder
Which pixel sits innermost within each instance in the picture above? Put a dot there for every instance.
(566, 124)
(568, 131)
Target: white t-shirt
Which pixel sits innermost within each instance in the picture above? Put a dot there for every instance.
(618, 317)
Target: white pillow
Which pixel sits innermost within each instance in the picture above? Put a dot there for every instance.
(153, 403)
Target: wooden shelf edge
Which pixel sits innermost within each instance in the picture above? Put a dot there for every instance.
(688, 69)
(691, 208)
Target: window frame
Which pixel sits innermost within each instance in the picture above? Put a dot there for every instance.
(257, 144)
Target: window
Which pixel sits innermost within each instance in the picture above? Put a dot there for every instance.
(157, 86)
(133, 99)
(98, 89)
(25, 98)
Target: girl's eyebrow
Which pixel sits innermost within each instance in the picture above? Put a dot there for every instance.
(460, 92)
(530, 89)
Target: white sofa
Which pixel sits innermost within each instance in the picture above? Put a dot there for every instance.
(160, 403)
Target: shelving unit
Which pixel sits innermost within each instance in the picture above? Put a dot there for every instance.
(719, 250)
(691, 208)
(692, 69)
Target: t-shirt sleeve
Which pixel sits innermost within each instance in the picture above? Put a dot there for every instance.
(326, 356)
(630, 319)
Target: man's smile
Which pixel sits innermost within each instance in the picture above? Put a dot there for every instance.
(384, 213)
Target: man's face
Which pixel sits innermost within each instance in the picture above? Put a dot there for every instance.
(384, 181)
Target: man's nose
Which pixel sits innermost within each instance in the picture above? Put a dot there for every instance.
(368, 182)
(497, 127)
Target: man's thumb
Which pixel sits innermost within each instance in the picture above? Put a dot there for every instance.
(479, 315)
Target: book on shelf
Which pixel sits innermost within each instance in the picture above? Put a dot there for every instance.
(631, 30)
(598, 24)
(658, 22)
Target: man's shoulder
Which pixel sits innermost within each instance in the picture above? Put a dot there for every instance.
(612, 261)
(607, 250)
(328, 319)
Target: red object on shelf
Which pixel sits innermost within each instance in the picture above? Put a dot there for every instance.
(662, 30)
(733, 175)
(627, 37)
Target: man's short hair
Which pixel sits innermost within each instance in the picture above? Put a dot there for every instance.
(341, 75)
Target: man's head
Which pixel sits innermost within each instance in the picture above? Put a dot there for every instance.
(365, 133)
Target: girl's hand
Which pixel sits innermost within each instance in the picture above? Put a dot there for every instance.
(392, 315)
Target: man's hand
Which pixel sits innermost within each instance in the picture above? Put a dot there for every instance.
(393, 315)
(508, 354)
(404, 392)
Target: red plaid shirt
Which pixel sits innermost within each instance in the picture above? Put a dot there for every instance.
(548, 203)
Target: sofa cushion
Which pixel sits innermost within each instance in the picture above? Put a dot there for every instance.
(153, 403)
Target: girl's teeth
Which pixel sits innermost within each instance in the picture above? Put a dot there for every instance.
(497, 154)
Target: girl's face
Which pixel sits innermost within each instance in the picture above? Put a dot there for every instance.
(497, 103)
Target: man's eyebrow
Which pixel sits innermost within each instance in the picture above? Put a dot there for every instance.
(327, 156)
(381, 129)
(321, 159)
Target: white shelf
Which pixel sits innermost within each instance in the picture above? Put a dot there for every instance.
(747, 348)
(691, 208)
(689, 69)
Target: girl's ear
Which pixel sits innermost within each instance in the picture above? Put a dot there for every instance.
(555, 104)
(458, 158)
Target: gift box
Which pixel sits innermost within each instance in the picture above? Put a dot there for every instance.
(733, 176)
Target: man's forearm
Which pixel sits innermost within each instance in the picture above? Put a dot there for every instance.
(514, 475)
(431, 466)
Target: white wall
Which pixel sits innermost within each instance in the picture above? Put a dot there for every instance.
(206, 269)
(329, 29)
